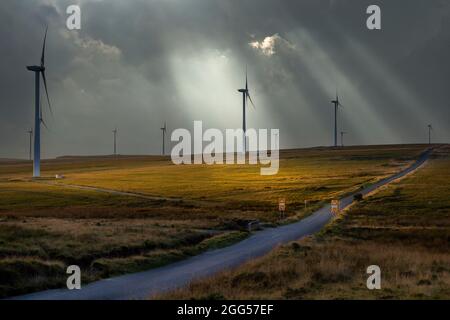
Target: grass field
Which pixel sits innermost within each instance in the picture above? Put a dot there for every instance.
(45, 227)
(404, 229)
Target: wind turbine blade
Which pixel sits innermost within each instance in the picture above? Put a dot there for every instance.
(46, 92)
(249, 98)
(40, 108)
(43, 48)
(41, 119)
(246, 79)
(45, 125)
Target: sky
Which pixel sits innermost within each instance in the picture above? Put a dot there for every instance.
(139, 63)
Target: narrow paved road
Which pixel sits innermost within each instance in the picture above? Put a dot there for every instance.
(143, 284)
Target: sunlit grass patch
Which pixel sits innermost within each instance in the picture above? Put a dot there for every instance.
(109, 234)
(404, 229)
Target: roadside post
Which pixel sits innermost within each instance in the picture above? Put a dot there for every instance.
(334, 207)
(282, 207)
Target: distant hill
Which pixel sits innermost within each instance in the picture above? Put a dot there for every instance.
(12, 160)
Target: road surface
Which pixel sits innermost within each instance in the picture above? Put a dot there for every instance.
(144, 284)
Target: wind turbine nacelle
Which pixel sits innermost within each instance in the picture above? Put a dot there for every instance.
(35, 68)
(242, 90)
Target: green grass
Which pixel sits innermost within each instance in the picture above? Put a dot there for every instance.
(108, 267)
(30, 250)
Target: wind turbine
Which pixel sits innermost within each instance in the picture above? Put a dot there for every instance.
(342, 138)
(337, 104)
(163, 138)
(30, 132)
(39, 70)
(245, 96)
(430, 128)
(115, 141)
(276, 142)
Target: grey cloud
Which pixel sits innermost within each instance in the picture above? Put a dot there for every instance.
(136, 64)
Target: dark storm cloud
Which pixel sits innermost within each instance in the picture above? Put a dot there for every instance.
(136, 64)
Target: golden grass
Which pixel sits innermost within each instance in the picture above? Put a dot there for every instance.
(404, 229)
(337, 270)
(312, 174)
(44, 227)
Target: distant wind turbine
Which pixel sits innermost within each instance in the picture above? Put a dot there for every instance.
(115, 141)
(337, 104)
(342, 138)
(39, 70)
(245, 97)
(163, 138)
(30, 132)
(276, 142)
(430, 128)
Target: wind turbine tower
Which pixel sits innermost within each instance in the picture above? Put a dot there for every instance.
(342, 138)
(245, 96)
(30, 132)
(163, 129)
(115, 141)
(337, 104)
(430, 128)
(38, 71)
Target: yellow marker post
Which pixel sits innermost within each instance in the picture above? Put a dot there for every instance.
(282, 206)
(335, 207)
